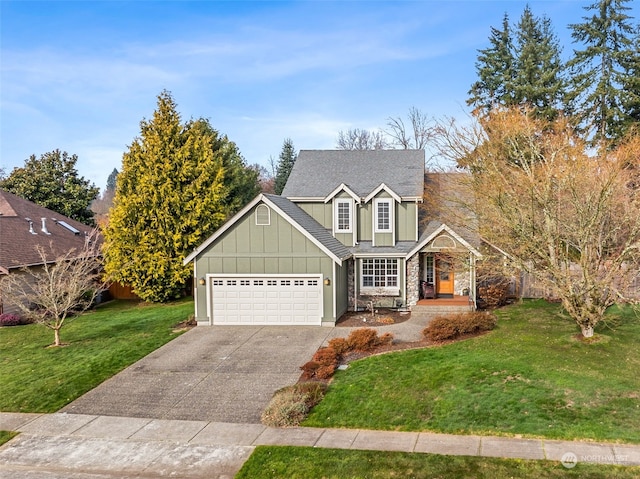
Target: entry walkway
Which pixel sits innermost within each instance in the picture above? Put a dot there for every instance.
(72, 446)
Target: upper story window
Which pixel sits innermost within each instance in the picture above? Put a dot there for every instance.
(343, 216)
(383, 215)
(263, 215)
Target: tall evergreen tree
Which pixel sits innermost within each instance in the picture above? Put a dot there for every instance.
(538, 80)
(286, 161)
(601, 69)
(631, 85)
(524, 71)
(111, 180)
(171, 195)
(240, 180)
(52, 181)
(496, 71)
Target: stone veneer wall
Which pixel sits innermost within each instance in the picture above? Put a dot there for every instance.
(461, 281)
(351, 287)
(413, 280)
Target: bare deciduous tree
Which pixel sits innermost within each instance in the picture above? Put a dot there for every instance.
(59, 291)
(415, 136)
(570, 219)
(357, 139)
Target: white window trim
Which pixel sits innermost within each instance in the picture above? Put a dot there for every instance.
(383, 290)
(376, 204)
(336, 202)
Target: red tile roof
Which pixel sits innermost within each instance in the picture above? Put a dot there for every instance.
(21, 232)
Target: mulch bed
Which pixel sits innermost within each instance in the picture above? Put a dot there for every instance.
(364, 319)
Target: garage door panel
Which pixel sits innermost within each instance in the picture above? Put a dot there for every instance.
(266, 300)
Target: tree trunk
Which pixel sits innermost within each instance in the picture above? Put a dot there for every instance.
(587, 330)
(56, 335)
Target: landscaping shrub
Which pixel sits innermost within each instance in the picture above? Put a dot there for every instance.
(290, 405)
(10, 319)
(309, 370)
(442, 328)
(493, 295)
(325, 361)
(339, 345)
(322, 365)
(363, 339)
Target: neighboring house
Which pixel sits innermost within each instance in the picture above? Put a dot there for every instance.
(347, 227)
(25, 226)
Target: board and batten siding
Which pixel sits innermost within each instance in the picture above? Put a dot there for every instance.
(277, 248)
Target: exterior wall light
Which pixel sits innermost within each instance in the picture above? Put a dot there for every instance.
(202, 281)
(327, 281)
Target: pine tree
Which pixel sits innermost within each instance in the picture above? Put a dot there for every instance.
(171, 195)
(286, 161)
(538, 79)
(52, 181)
(495, 67)
(600, 70)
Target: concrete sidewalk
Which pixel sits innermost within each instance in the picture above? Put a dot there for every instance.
(99, 447)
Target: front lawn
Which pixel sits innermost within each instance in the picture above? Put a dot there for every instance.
(270, 462)
(38, 378)
(528, 377)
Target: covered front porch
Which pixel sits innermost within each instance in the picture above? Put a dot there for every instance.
(441, 270)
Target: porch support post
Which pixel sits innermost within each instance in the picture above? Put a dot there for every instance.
(472, 279)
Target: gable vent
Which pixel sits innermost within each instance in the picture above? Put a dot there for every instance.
(67, 226)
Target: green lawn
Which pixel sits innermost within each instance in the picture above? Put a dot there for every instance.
(6, 436)
(529, 376)
(37, 378)
(270, 462)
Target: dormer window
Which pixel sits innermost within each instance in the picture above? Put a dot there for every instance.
(263, 215)
(343, 216)
(383, 215)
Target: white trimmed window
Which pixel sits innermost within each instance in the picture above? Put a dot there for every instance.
(263, 215)
(343, 217)
(379, 273)
(383, 211)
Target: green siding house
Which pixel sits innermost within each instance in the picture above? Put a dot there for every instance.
(345, 228)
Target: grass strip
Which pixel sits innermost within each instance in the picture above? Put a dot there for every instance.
(6, 436)
(271, 462)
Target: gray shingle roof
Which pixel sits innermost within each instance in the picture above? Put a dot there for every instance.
(314, 228)
(316, 173)
(18, 246)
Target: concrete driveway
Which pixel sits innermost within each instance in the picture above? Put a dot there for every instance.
(220, 373)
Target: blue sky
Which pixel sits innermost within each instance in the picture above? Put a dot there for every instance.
(79, 76)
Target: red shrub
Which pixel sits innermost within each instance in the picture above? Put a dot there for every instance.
(10, 319)
(326, 357)
(366, 339)
(309, 370)
(450, 327)
(339, 345)
(363, 339)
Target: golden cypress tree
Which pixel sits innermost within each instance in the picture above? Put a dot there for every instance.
(171, 194)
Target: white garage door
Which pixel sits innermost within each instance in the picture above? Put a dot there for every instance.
(270, 300)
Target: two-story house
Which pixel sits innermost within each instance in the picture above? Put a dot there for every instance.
(347, 226)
